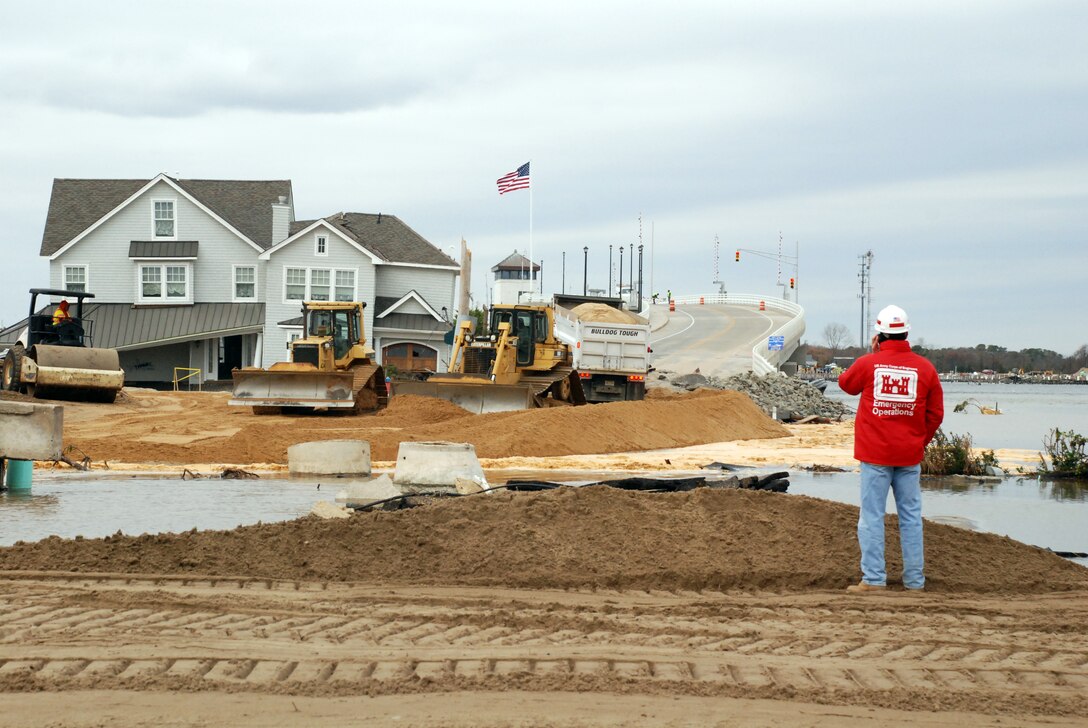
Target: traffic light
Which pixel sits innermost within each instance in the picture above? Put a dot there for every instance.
(791, 283)
(738, 256)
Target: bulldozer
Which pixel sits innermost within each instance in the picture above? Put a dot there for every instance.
(520, 365)
(331, 368)
(55, 359)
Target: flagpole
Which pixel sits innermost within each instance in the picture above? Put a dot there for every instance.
(532, 274)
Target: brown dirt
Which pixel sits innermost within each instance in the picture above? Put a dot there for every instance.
(572, 538)
(199, 427)
(601, 313)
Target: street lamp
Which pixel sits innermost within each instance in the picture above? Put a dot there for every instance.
(640, 277)
(564, 289)
(621, 272)
(610, 269)
(631, 264)
(585, 269)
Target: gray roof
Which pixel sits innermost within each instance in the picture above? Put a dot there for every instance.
(76, 204)
(387, 237)
(162, 248)
(416, 321)
(381, 303)
(123, 326)
(514, 261)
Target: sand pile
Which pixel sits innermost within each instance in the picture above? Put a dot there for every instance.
(571, 537)
(184, 429)
(601, 313)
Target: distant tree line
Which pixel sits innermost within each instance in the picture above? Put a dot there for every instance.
(960, 359)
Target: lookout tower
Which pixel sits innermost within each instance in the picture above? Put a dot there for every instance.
(514, 277)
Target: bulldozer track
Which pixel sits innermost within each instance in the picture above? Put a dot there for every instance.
(114, 632)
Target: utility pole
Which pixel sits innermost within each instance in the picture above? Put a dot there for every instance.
(610, 270)
(790, 260)
(631, 266)
(640, 298)
(564, 272)
(865, 274)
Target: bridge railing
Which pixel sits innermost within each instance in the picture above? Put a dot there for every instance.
(764, 361)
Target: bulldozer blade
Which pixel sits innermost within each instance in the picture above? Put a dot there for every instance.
(476, 398)
(285, 388)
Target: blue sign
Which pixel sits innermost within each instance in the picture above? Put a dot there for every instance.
(776, 343)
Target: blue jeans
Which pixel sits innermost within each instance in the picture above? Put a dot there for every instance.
(903, 481)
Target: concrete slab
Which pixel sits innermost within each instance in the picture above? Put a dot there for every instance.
(31, 431)
(436, 464)
(367, 491)
(329, 457)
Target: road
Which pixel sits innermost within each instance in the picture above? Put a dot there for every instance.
(716, 339)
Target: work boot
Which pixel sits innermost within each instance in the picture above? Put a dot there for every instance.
(914, 589)
(863, 588)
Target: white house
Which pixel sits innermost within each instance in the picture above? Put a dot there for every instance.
(514, 277)
(210, 274)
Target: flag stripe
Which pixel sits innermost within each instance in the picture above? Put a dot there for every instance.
(516, 180)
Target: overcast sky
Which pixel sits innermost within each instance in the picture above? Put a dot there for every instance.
(946, 137)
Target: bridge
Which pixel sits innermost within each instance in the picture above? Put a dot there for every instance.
(725, 334)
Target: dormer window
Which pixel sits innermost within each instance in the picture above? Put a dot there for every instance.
(321, 245)
(164, 222)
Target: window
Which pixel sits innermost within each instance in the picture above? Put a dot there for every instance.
(75, 278)
(245, 283)
(295, 279)
(164, 283)
(152, 282)
(164, 218)
(319, 285)
(321, 245)
(345, 285)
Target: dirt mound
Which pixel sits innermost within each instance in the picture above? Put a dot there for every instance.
(182, 428)
(601, 313)
(571, 537)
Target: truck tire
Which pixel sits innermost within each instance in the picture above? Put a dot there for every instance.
(13, 366)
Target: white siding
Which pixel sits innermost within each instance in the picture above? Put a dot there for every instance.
(112, 277)
(300, 254)
(437, 287)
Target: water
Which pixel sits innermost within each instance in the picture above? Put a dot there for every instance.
(95, 506)
(1029, 412)
(1049, 514)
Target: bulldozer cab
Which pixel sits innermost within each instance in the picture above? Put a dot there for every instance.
(529, 326)
(342, 326)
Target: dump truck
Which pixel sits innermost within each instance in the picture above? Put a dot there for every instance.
(519, 365)
(611, 346)
(53, 357)
(331, 368)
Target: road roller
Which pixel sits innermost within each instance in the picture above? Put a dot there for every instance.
(53, 357)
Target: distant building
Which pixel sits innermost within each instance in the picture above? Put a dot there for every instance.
(513, 279)
(1081, 375)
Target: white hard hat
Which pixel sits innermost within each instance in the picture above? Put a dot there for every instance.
(892, 320)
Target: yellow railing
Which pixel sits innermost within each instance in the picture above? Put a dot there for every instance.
(191, 373)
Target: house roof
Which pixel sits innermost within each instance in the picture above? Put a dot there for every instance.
(514, 261)
(77, 204)
(386, 236)
(122, 326)
(162, 248)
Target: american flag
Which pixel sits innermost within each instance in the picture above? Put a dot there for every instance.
(516, 180)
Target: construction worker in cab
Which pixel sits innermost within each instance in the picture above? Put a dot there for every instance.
(901, 407)
(61, 314)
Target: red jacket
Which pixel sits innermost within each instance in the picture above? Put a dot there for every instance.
(901, 407)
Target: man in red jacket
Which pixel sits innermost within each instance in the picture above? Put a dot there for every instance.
(901, 407)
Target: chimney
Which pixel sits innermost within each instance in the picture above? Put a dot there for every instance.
(282, 215)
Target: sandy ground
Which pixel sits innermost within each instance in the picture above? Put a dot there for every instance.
(697, 610)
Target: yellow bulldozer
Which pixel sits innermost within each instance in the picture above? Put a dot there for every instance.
(331, 368)
(520, 365)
